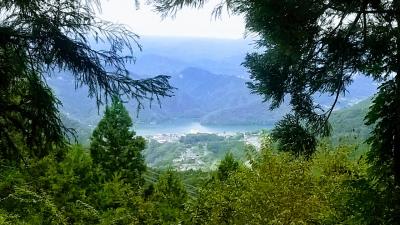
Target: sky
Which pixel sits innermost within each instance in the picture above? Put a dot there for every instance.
(187, 23)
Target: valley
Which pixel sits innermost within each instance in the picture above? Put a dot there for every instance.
(211, 98)
(199, 112)
(210, 89)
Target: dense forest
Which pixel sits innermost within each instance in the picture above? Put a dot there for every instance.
(316, 166)
(110, 184)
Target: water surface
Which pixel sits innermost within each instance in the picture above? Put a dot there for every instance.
(184, 127)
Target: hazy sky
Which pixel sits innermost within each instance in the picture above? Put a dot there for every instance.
(188, 22)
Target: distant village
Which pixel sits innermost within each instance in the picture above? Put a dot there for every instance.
(193, 156)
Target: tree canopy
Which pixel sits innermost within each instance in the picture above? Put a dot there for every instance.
(40, 37)
(115, 147)
(308, 48)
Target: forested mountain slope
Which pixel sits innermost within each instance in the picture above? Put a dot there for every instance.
(210, 82)
(350, 121)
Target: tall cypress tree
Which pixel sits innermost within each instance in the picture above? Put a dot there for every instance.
(114, 145)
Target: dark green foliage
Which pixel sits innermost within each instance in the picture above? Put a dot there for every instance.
(381, 113)
(29, 115)
(385, 147)
(51, 192)
(332, 187)
(70, 192)
(308, 48)
(293, 137)
(313, 47)
(115, 148)
(318, 47)
(170, 196)
(227, 167)
(329, 188)
(195, 178)
(73, 184)
(39, 37)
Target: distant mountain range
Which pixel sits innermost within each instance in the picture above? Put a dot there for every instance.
(210, 86)
(171, 55)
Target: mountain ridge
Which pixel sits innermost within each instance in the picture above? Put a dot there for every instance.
(208, 90)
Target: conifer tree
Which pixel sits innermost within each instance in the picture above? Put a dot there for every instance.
(170, 195)
(114, 146)
(308, 48)
(40, 37)
(227, 167)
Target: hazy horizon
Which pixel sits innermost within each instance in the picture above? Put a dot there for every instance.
(188, 22)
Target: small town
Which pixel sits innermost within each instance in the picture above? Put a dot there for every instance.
(199, 153)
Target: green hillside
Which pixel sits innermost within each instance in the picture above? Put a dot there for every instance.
(349, 122)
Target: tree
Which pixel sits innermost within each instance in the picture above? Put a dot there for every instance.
(39, 37)
(115, 147)
(280, 189)
(227, 167)
(308, 48)
(290, 133)
(170, 196)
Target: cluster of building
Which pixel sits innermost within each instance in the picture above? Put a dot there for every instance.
(190, 160)
(165, 138)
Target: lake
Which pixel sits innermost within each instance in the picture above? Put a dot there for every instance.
(184, 127)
